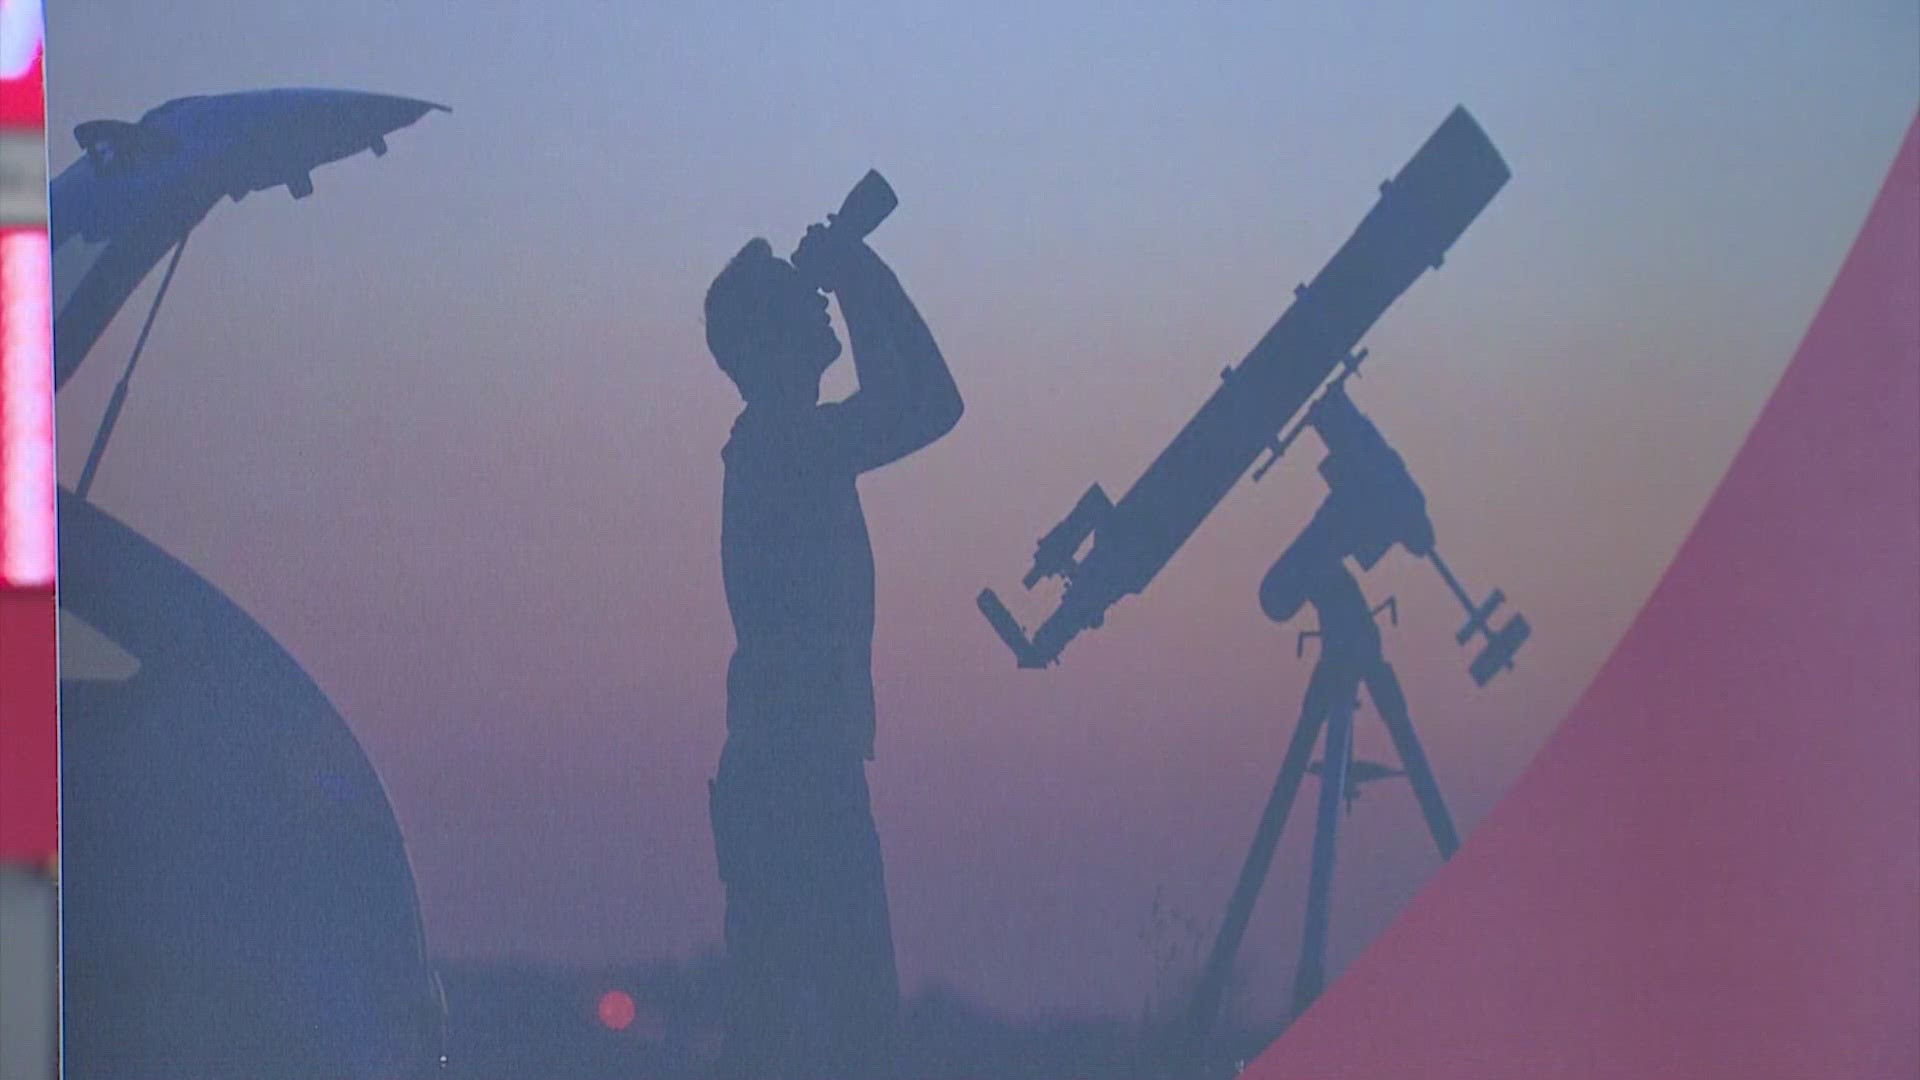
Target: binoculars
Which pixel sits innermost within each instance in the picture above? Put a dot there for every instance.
(861, 212)
(865, 207)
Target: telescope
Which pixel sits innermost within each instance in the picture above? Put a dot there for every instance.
(1419, 215)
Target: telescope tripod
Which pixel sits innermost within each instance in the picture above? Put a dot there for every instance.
(1350, 658)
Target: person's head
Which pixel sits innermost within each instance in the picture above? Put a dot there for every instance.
(768, 327)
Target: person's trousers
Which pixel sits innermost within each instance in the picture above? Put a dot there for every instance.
(813, 988)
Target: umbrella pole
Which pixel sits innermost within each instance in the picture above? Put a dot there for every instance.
(119, 399)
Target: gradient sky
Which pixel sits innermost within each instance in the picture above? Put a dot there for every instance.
(448, 428)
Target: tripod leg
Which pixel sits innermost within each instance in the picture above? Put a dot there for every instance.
(1311, 978)
(1253, 873)
(1391, 702)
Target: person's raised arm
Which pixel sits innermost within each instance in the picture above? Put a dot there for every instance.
(907, 398)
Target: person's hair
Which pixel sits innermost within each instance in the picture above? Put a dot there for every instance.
(737, 314)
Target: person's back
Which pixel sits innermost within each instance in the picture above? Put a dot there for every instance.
(808, 933)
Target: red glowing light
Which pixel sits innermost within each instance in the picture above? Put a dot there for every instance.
(617, 1010)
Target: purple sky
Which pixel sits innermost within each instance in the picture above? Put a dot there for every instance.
(449, 431)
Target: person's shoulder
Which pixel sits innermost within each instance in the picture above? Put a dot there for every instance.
(786, 436)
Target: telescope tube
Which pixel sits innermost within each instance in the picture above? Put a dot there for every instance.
(1421, 212)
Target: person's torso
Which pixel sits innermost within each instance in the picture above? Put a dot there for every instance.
(798, 569)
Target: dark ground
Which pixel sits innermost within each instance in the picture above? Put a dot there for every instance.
(519, 1022)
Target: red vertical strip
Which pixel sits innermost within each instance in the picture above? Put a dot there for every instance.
(29, 745)
(23, 99)
(29, 742)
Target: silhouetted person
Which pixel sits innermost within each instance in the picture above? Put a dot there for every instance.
(808, 936)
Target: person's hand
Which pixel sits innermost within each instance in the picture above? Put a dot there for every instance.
(826, 258)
